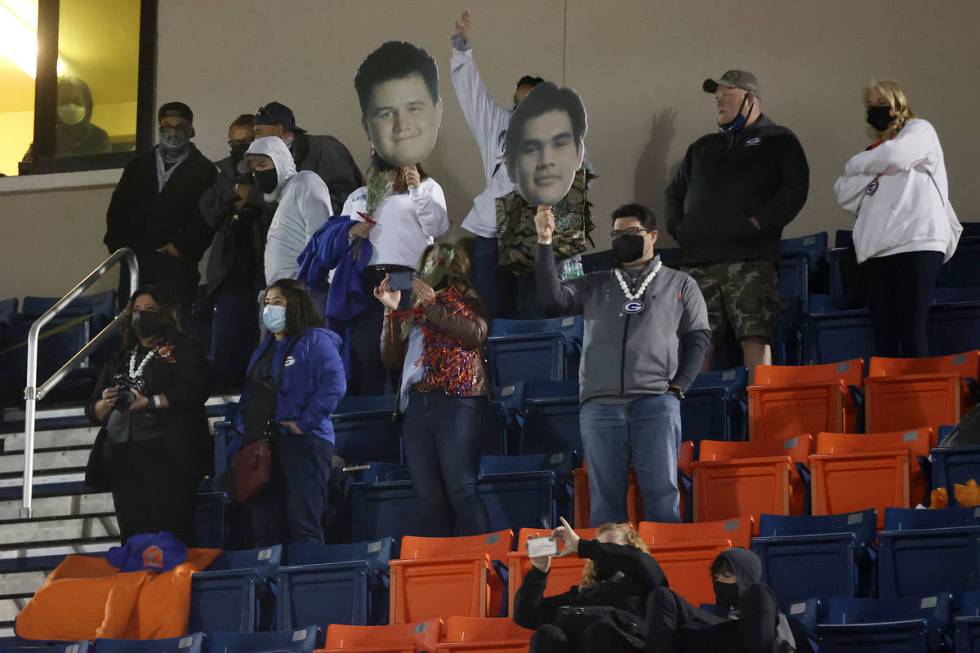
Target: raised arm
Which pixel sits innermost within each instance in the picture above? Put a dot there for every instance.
(565, 298)
(429, 203)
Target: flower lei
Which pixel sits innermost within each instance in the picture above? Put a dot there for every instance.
(448, 365)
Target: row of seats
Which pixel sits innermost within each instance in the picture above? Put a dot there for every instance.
(896, 394)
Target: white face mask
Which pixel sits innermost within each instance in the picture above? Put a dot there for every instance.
(71, 114)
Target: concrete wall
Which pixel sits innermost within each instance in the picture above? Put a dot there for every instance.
(637, 64)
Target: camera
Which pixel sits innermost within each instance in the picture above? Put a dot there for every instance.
(124, 399)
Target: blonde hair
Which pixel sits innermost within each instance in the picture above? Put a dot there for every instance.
(632, 538)
(894, 94)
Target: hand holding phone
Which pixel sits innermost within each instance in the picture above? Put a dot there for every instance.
(401, 280)
(540, 550)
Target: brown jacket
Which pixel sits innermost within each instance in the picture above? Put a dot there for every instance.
(471, 333)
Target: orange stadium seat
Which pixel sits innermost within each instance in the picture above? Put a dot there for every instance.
(789, 400)
(397, 638)
(438, 577)
(478, 635)
(905, 393)
(564, 573)
(880, 470)
(685, 552)
(750, 478)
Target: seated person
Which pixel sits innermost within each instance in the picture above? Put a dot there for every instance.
(605, 611)
(745, 618)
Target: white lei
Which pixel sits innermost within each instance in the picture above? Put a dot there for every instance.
(631, 296)
(137, 372)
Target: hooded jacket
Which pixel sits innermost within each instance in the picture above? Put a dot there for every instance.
(727, 179)
(748, 571)
(304, 206)
(332, 161)
(899, 194)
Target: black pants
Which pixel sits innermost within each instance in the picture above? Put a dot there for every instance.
(368, 374)
(442, 442)
(151, 491)
(600, 637)
(291, 508)
(899, 294)
(675, 626)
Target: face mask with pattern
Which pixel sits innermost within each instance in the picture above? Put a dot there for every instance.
(435, 271)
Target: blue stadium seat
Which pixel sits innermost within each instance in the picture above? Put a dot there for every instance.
(366, 429)
(844, 238)
(813, 247)
(526, 357)
(963, 269)
(832, 334)
(550, 418)
(803, 617)
(571, 327)
(527, 491)
(17, 645)
(914, 625)
(209, 517)
(793, 292)
(384, 509)
(715, 406)
(954, 320)
(805, 557)
(923, 552)
(189, 644)
(303, 640)
(334, 583)
(967, 623)
(233, 593)
(952, 465)
(374, 472)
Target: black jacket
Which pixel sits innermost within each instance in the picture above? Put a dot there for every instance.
(332, 161)
(628, 592)
(143, 218)
(725, 179)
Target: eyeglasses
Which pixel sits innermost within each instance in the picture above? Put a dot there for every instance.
(632, 231)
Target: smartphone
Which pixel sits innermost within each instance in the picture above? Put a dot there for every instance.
(542, 547)
(401, 280)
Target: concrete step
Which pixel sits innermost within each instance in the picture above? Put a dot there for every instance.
(9, 607)
(45, 461)
(82, 436)
(21, 583)
(60, 506)
(62, 549)
(15, 482)
(35, 532)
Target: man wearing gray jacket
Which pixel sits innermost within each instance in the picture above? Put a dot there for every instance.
(646, 334)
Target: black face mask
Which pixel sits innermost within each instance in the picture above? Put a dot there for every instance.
(150, 324)
(879, 117)
(627, 248)
(726, 595)
(238, 151)
(267, 180)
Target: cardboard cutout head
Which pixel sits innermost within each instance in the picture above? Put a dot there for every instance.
(398, 89)
(545, 143)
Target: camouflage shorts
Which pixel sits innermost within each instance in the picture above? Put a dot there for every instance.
(741, 296)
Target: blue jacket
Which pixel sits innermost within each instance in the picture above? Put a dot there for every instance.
(330, 249)
(312, 383)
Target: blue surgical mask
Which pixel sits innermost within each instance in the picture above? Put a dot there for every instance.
(738, 123)
(274, 318)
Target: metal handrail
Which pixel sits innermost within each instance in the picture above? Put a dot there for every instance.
(33, 393)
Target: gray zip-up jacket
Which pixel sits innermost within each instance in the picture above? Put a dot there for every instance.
(625, 354)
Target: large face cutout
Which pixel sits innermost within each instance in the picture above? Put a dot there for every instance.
(398, 89)
(545, 144)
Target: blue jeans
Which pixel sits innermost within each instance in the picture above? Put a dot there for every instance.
(442, 443)
(645, 433)
(290, 509)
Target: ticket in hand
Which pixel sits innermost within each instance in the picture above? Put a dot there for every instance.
(542, 547)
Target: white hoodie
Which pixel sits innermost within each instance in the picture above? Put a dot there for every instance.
(900, 195)
(304, 206)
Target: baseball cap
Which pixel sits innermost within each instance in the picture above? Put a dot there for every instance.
(277, 113)
(175, 110)
(735, 79)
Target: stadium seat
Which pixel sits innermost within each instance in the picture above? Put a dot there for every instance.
(685, 552)
(526, 357)
(792, 293)
(209, 519)
(189, 644)
(634, 500)
(500, 635)
(231, 593)
(804, 557)
(789, 400)
(366, 429)
(22, 646)
(333, 583)
(880, 470)
(833, 334)
(954, 320)
(903, 393)
(860, 625)
(750, 478)
(302, 640)
(963, 269)
(571, 328)
(550, 418)
(714, 406)
(952, 465)
(967, 623)
(394, 638)
(526, 491)
(813, 247)
(927, 551)
(438, 577)
(564, 572)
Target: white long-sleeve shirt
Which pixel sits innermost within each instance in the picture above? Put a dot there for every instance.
(407, 223)
(899, 193)
(488, 122)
